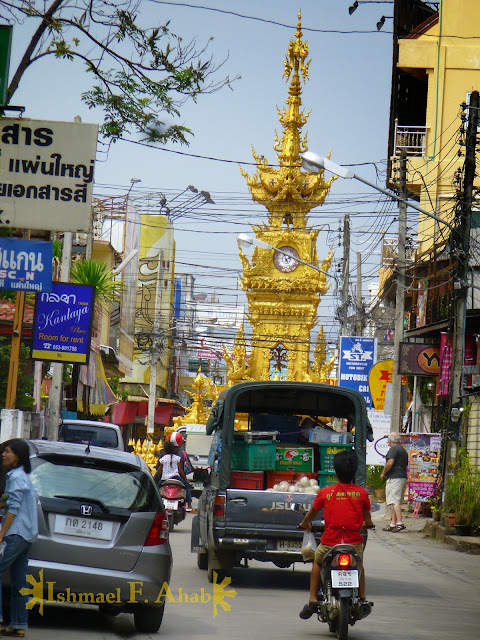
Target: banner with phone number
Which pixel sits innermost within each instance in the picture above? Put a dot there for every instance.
(63, 323)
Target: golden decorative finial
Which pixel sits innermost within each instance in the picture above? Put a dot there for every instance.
(286, 188)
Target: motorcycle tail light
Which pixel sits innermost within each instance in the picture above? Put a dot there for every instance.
(171, 491)
(344, 560)
(158, 533)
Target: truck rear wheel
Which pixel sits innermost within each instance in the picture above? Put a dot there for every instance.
(221, 564)
(202, 561)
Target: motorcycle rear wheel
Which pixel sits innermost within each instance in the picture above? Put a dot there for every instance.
(343, 618)
(171, 522)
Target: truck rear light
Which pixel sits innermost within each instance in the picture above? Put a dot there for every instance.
(158, 533)
(219, 506)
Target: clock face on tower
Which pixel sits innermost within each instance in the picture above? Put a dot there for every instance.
(284, 263)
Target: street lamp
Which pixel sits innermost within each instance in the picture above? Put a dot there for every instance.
(246, 241)
(314, 163)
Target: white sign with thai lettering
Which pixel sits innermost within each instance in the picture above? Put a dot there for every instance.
(46, 174)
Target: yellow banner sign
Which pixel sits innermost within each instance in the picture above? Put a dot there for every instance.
(380, 375)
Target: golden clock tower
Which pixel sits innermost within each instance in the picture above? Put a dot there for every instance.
(283, 294)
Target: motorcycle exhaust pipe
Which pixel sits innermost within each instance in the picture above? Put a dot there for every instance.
(364, 610)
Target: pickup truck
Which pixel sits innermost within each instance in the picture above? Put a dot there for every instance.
(260, 523)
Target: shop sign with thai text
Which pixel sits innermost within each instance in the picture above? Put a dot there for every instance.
(46, 174)
(25, 265)
(62, 325)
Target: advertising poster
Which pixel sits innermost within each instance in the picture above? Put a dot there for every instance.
(357, 356)
(25, 265)
(423, 464)
(62, 325)
(380, 375)
(377, 450)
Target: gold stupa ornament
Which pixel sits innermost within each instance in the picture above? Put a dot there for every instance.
(203, 389)
(283, 294)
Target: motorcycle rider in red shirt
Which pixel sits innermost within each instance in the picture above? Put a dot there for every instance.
(346, 510)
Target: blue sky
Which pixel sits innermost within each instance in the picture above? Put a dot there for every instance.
(348, 93)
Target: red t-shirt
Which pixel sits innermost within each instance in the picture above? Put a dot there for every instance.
(343, 505)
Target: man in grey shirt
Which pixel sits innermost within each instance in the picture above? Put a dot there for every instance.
(395, 470)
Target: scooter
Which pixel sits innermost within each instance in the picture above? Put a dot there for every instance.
(339, 605)
(174, 500)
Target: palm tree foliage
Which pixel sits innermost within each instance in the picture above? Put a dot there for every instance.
(96, 274)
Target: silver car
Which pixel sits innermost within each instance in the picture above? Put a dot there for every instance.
(103, 531)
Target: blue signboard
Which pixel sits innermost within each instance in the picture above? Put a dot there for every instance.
(25, 265)
(63, 323)
(357, 356)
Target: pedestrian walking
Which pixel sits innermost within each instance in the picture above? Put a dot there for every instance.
(18, 532)
(395, 471)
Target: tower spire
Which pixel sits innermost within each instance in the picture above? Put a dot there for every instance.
(287, 187)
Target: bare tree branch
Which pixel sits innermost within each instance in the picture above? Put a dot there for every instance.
(139, 75)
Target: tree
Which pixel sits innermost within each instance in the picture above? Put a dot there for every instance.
(139, 75)
(96, 274)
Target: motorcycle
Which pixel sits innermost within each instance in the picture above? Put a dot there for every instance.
(339, 605)
(174, 500)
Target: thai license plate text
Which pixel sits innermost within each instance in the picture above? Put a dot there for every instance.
(83, 527)
(289, 545)
(345, 579)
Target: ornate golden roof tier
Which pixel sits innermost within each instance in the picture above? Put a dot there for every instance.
(287, 192)
(283, 294)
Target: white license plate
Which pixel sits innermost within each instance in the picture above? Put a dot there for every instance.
(289, 545)
(83, 527)
(170, 504)
(197, 485)
(345, 579)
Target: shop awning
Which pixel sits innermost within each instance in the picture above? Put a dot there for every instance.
(126, 411)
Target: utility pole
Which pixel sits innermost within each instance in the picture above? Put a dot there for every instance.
(461, 244)
(345, 276)
(358, 301)
(399, 298)
(56, 389)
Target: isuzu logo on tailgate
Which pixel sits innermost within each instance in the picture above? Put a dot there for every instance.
(286, 505)
(86, 510)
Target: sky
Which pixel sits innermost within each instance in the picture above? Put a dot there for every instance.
(348, 92)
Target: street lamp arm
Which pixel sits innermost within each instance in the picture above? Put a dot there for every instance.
(314, 163)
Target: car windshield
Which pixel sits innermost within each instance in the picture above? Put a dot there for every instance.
(114, 485)
(96, 436)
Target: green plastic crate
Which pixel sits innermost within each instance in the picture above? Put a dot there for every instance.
(327, 451)
(326, 478)
(253, 456)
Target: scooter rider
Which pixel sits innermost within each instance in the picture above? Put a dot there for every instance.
(346, 510)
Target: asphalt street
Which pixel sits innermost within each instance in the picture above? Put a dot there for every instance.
(421, 589)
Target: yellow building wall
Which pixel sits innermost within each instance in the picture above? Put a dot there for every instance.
(452, 64)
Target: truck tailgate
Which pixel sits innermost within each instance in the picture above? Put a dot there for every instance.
(265, 511)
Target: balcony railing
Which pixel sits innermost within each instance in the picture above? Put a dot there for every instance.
(411, 139)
